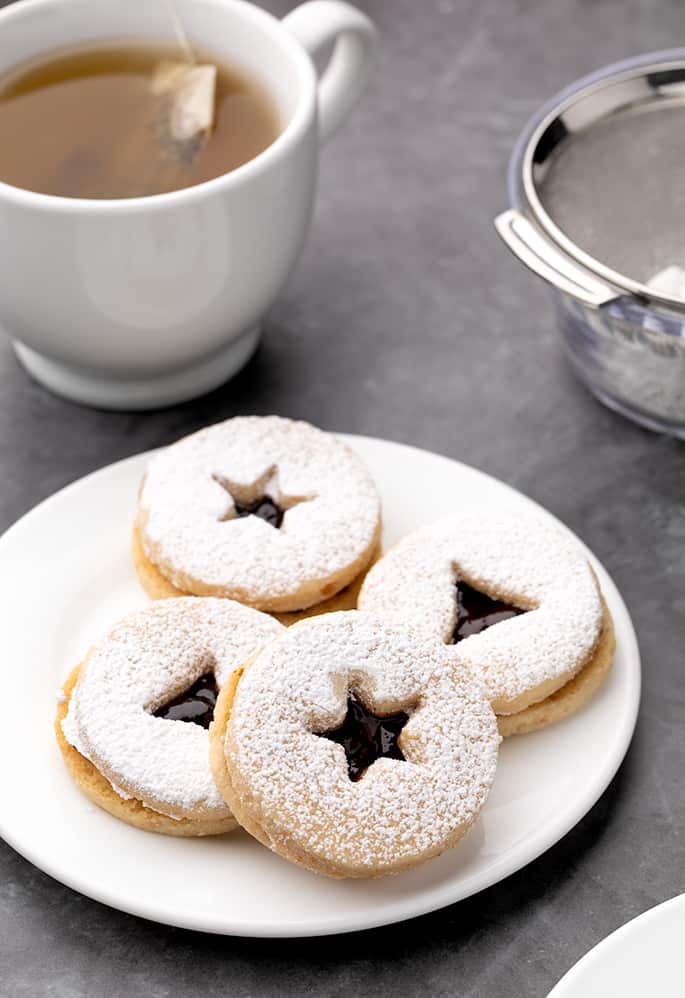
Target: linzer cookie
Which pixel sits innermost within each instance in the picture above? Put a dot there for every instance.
(133, 720)
(513, 600)
(273, 513)
(349, 746)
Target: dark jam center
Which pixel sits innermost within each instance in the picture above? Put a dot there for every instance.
(366, 737)
(265, 508)
(476, 612)
(196, 704)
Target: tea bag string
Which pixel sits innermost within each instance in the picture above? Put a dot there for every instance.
(180, 31)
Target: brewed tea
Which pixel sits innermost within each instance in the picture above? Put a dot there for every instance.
(86, 124)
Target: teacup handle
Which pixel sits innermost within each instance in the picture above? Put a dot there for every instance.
(319, 23)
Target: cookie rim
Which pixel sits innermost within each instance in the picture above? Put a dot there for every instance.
(133, 811)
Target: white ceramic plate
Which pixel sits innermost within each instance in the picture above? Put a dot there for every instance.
(643, 957)
(66, 575)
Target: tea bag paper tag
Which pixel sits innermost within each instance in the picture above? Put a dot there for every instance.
(191, 89)
(670, 282)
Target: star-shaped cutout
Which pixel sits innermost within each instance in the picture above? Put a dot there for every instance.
(366, 736)
(477, 612)
(262, 498)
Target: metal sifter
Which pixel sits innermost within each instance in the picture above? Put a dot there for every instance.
(597, 192)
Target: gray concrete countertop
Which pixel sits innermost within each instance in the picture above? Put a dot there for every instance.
(407, 319)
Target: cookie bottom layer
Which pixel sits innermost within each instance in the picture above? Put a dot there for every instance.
(157, 586)
(98, 789)
(572, 695)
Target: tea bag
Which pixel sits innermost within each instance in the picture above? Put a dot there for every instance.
(167, 132)
(188, 108)
(187, 91)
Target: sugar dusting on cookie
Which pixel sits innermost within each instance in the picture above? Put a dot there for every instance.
(518, 558)
(399, 812)
(185, 509)
(147, 659)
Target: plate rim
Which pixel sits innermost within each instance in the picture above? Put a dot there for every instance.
(574, 974)
(395, 911)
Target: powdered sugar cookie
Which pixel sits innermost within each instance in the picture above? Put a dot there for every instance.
(513, 600)
(351, 748)
(133, 722)
(273, 513)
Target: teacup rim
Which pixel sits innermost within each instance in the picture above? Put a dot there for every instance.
(286, 138)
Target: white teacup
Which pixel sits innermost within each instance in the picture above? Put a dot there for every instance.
(142, 302)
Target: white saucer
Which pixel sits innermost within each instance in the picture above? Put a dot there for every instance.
(66, 575)
(643, 957)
